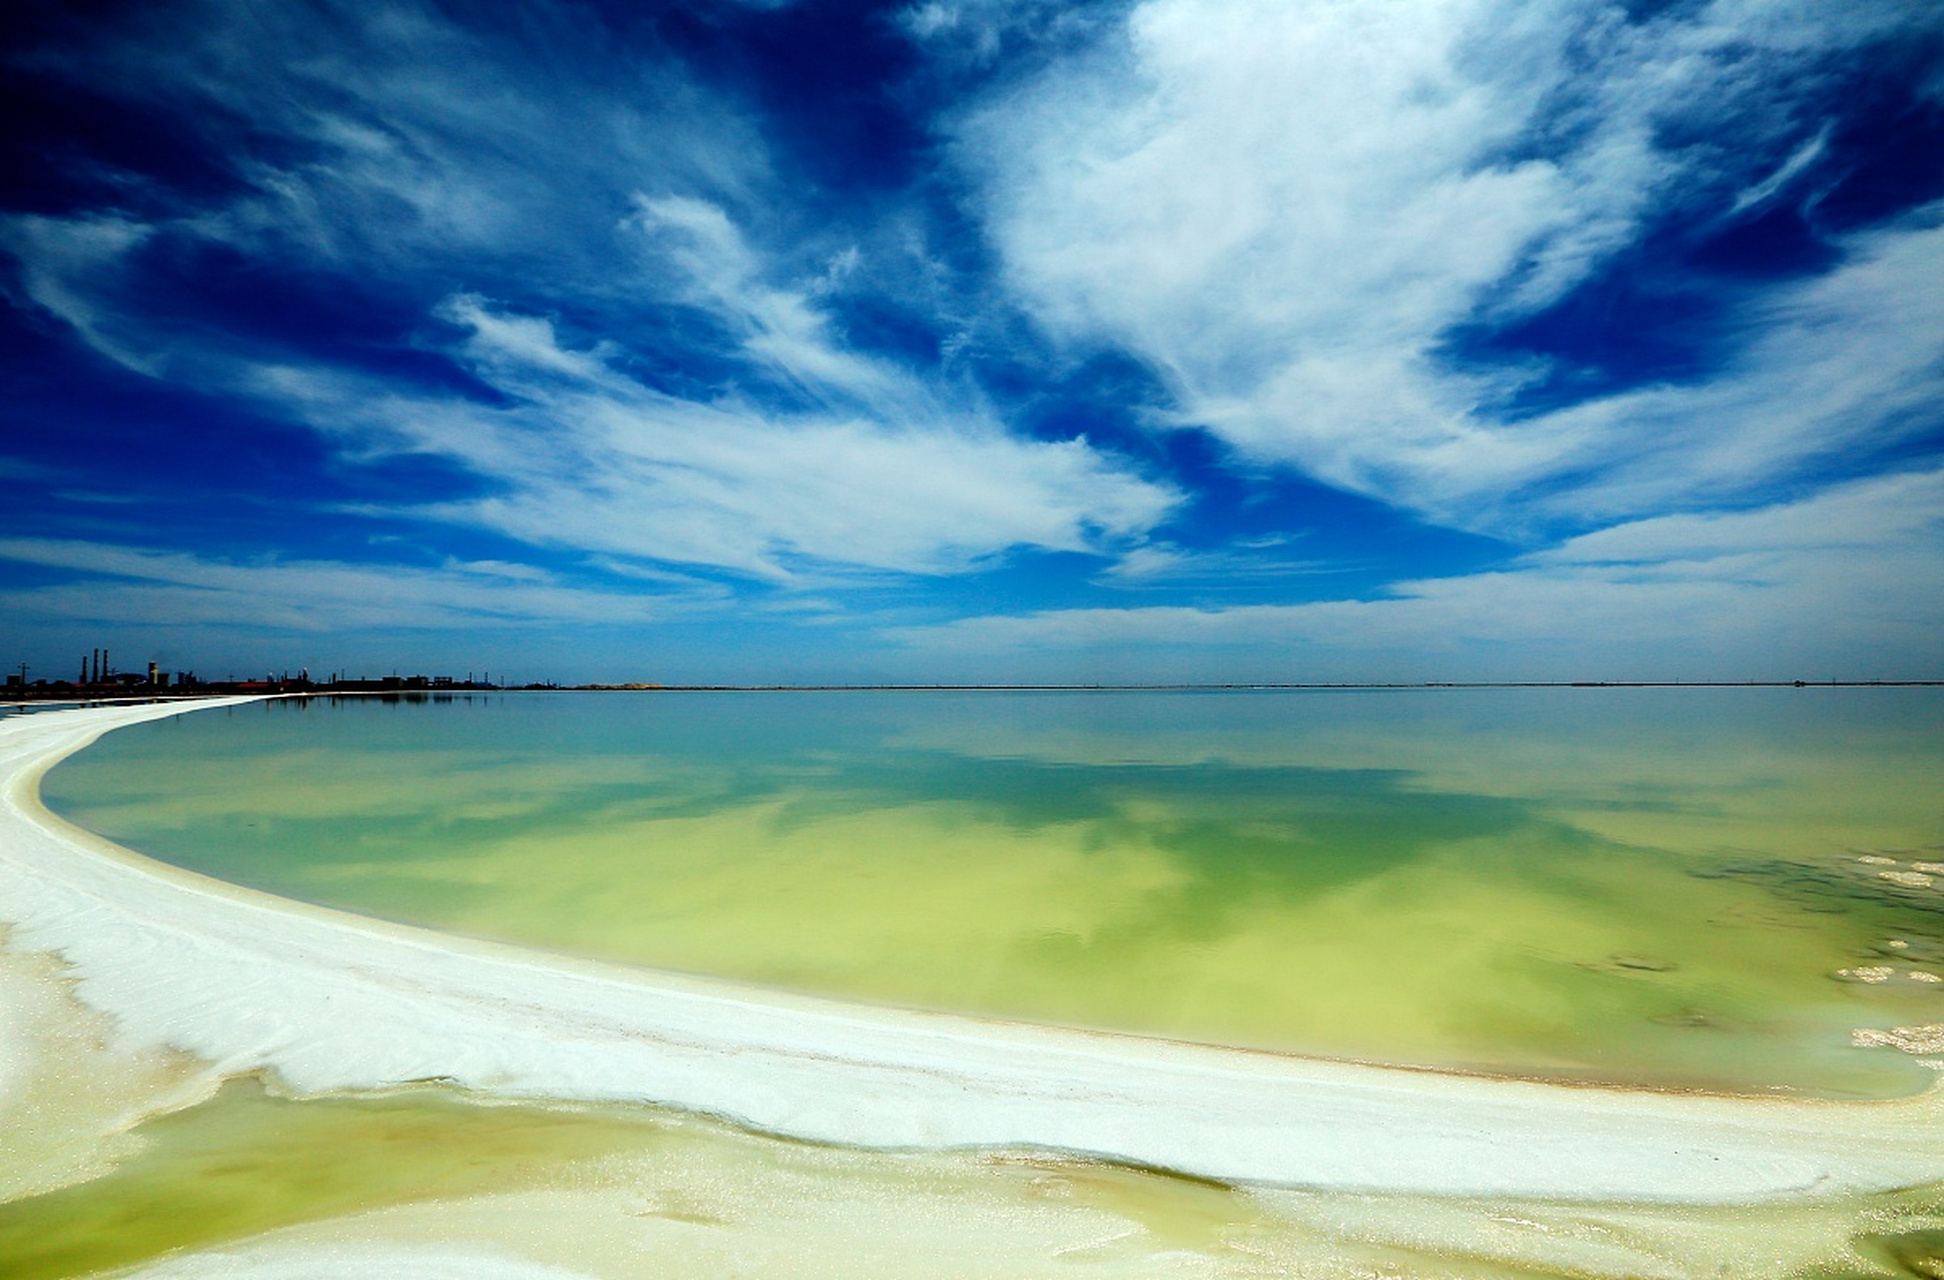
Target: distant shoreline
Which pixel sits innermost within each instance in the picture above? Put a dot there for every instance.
(1239, 686)
(326, 691)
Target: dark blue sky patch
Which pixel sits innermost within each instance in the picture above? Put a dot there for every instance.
(826, 76)
(1776, 242)
(1365, 541)
(65, 146)
(67, 405)
(1639, 11)
(255, 306)
(1887, 157)
(1108, 399)
(880, 324)
(404, 480)
(1637, 322)
(186, 464)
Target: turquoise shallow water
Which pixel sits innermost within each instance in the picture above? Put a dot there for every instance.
(1680, 887)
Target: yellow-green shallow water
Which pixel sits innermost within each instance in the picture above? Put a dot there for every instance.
(1655, 886)
(1709, 888)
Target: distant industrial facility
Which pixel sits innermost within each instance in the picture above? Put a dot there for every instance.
(99, 679)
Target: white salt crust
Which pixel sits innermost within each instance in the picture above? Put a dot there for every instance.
(270, 1261)
(331, 1002)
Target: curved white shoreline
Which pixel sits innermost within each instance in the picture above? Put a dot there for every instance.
(331, 1001)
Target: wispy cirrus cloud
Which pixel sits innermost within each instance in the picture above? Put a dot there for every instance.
(711, 412)
(130, 586)
(71, 268)
(1811, 587)
(389, 136)
(1159, 564)
(583, 457)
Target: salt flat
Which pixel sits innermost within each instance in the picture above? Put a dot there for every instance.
(327, 1002)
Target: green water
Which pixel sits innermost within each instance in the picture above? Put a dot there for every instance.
(246, 1163)
(1679, 887)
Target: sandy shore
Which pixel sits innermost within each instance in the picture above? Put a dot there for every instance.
(330, 1002)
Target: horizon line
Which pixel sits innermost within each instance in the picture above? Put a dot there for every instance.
(646, 687)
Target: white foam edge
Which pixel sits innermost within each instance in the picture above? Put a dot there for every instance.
(332, 1002)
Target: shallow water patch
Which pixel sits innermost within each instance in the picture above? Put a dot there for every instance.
(246, 1162)
(1533, 885)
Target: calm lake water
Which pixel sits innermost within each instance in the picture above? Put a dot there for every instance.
(1681, 887)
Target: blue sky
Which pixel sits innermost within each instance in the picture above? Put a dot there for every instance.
(976, 340)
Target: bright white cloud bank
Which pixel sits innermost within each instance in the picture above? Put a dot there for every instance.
(1287, 209)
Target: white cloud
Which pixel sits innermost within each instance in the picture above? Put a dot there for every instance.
(1287, 208)
(403, 136)
(1149, 562)
(729, 485)
(1858, 521)
(979, 33)
(1781, 592)
(586, 458)
(1160, 563)
(130, 586)
(1282, 206)
(778, 330)
(1852, 359)
(1792, 168)
(818, 458)
(67, 268)
(519, 347)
